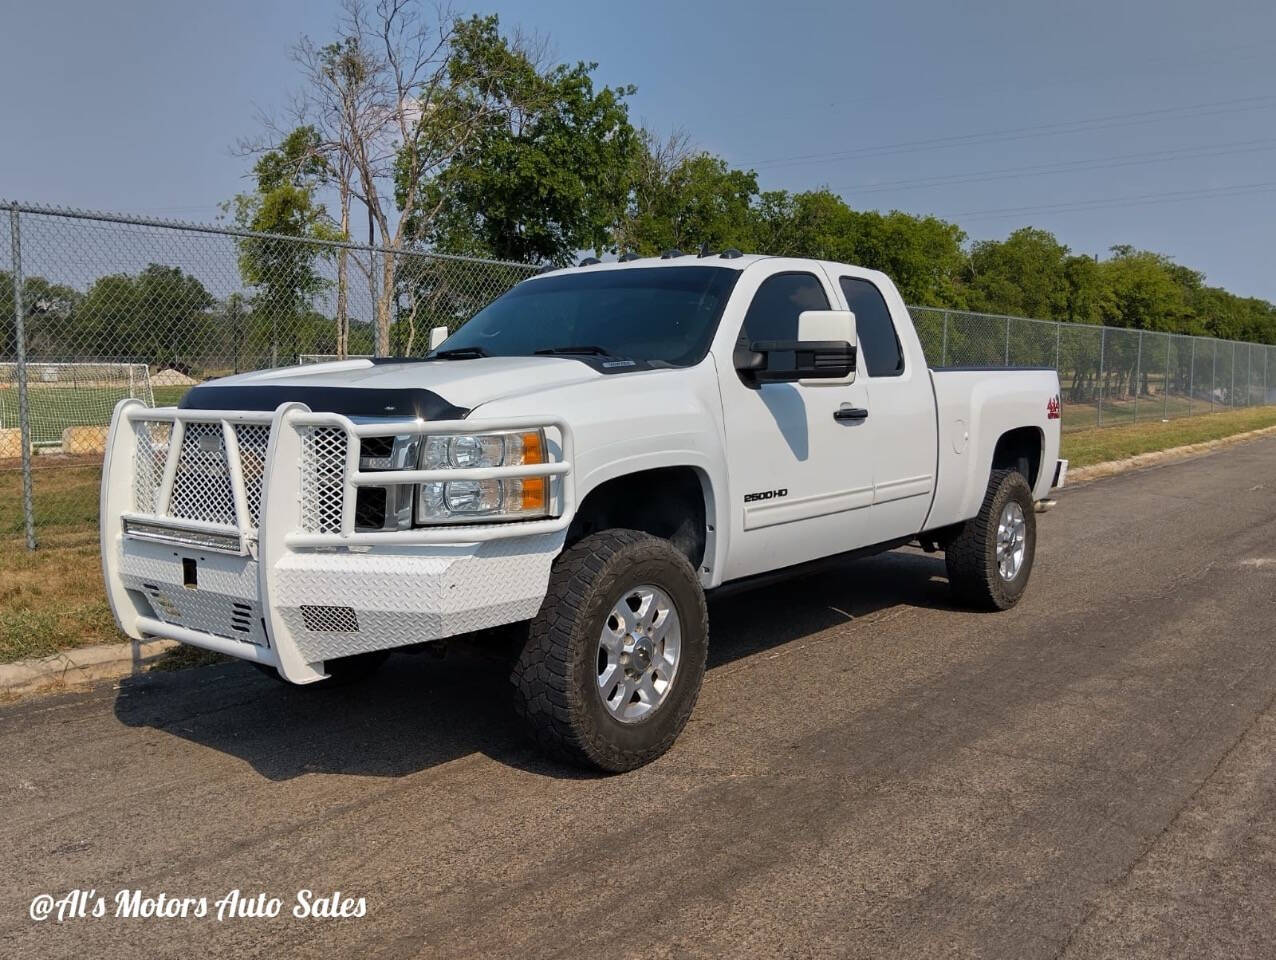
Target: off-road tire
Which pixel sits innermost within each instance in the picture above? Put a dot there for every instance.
(971, 557)
(556, 675)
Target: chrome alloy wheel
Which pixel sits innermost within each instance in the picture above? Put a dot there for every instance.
(638, 652)
(1012, 535)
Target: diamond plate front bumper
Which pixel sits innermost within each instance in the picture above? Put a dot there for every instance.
(281, 592)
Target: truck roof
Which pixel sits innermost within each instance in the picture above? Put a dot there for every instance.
(735, 262)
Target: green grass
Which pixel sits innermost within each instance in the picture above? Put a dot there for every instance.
(65, 493)
(1118, 412)
(1085, 447)
(53, 408)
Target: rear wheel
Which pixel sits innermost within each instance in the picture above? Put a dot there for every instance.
(990, 559)
(615, 658)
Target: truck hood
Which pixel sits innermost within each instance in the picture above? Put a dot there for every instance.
(434, 389)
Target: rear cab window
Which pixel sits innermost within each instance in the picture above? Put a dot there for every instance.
(879, 346)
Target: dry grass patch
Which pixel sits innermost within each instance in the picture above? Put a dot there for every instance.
(52, 599)
(182, 656)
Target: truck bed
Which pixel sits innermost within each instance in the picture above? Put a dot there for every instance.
(974, 407)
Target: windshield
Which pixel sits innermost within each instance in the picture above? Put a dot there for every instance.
(661, 315)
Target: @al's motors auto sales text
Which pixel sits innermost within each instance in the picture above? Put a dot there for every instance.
(233, 905)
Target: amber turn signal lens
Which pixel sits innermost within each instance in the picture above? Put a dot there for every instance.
(534, 494)
(533, 447)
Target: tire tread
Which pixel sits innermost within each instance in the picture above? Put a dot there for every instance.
(547, 699)
(971, 557)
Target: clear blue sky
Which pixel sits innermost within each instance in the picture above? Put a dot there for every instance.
(1149, 122)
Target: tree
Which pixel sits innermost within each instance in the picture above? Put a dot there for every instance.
(683, 202)
(817, 223)
(339, 77)
(1087, 298)
(49, 322)
(284, 205)
(549, 172)
(1023, 275)
(399, 97)
(159, 316)
(923, 255)
(1145, 293)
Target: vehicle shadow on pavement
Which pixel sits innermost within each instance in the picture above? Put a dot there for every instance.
(753, 620)
(419, 711)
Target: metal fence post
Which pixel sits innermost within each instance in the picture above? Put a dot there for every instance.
(1007, 341)
(1165, 387)
(1249, 375)
(1191, 378)
(1098, 403)
(1213, 373)
(943, 350)
(1138, 376)
(1231, 396)
(24, 409)
(1058, 328)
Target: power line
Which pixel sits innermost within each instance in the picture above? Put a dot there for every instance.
(1030, 132)
(1076, 74)
(1067, 166)
(1101, 203)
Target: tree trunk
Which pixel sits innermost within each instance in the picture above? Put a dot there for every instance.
(385, 302)
(343, 267)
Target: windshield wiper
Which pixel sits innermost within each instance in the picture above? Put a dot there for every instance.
(460, 353)
(586, 349)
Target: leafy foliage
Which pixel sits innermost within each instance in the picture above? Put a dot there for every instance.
(697, 200)
(548, 173)
(284, 204)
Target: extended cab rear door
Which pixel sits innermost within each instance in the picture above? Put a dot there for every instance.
(893, 369)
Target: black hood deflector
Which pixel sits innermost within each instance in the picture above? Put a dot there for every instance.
(406, 402)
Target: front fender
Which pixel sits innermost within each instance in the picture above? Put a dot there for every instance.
(629, 423)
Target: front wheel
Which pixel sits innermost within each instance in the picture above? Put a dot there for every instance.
(990, 560)
(615, 658)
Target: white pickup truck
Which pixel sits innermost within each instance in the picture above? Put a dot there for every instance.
(587, 456)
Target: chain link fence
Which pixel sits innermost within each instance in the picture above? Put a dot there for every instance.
(1108, 375)
(98, 307)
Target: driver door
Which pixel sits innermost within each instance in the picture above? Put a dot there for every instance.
(801, 479)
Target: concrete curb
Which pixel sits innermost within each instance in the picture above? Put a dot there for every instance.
(106, 661)
(1111, 468)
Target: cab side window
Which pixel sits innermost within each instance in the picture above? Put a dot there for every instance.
(879, 347)
(773, 314)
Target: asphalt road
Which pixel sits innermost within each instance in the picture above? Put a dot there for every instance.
(870, 772)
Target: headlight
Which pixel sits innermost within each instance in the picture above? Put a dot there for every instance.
(452, 501)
